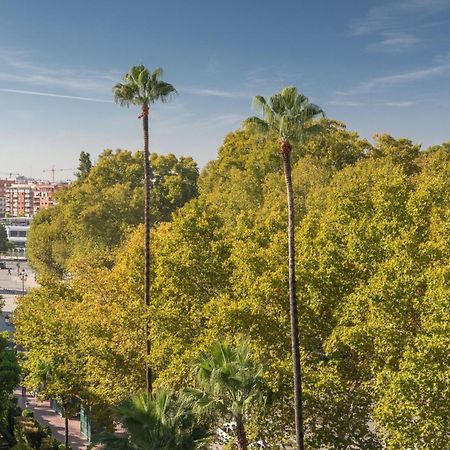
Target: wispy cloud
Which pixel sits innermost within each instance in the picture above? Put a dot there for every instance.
(259, 81)
(396, 79)
(394, 14)
(169, 125)
(378, 18)
(344, 103)
(394, 42)
(214, 92)
(395, 24)
(266, 80)
(23, 72)
(385, 90)
(442, 58)
(400, 104)
(49, 94)
(393, 104)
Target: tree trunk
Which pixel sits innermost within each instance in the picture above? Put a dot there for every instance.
(241, 436)
(285, 150)
(66, 425)
(148, 370)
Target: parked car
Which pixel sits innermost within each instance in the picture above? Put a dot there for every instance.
(2, 265)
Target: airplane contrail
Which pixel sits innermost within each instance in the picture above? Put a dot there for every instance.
(48, 94)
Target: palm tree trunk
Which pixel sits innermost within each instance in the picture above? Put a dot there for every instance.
(241, 436)
(148, 370)
(285, 150)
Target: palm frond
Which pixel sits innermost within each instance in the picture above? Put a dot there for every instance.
(157, 73)
(161, 91)
(289, 97)
(111, 441)
(227, 379)
(287, 113)
(259, 103)
(256, 124)
(139, 86)
(126, 94)
(277, 103)
(162, 421)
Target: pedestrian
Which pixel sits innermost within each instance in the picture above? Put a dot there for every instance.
(9, 270)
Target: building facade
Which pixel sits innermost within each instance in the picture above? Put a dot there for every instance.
(43, 196)
(17, 232)
(19, 200)
(4, 185)
(27, 199)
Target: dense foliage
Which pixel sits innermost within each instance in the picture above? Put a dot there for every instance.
(96, 212)
(229, 387)
(161, 421)
(373, 274)
(3, 239)
(9, 374)
(84, 166)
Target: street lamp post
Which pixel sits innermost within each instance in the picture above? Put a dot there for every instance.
(23, 276)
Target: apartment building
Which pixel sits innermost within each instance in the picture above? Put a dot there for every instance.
(4, 184)
(43, 196)
(19, 200)
(27, 199)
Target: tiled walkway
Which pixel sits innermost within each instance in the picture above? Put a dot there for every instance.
(47, 417)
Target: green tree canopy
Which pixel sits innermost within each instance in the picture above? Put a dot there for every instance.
(9, 374)
(372, 235)
(3, 239)
(85, 166)
(94, 214)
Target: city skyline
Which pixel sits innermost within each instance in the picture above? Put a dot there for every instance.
(377, 66)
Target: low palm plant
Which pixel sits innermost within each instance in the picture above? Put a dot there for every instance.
(161, 421)
(229, 385)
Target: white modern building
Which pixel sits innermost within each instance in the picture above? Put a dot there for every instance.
(17, 231)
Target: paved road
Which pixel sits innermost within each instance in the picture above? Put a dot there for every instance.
(10, 288)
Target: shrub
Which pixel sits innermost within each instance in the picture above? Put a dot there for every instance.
(27, 413)
(28, 432)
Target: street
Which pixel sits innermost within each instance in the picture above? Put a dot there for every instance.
(11, 287)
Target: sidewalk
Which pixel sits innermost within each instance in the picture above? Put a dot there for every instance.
(47, 417)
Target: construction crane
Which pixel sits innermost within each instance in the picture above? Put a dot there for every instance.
(10, 174)
(53, 170)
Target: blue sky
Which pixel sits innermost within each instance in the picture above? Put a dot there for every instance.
(379, 66)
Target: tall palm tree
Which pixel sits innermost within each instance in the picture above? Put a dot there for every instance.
(291, 116)
(141, 87)
(229, 384)
(160, 421)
